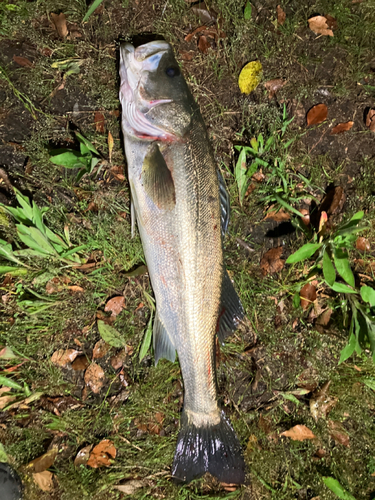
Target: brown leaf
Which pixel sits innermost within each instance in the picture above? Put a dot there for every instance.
(102, 454)
(186, 55)
(80, 363)
(321, 403)
(308, 379)
(111, 144)
(317, 114)
(370, 120)
(307, 295)
(101, 348)
(99, 121)
(6, 400)
(274, 85)
(95, 377)
(83, 455)
(76, 289)
(206, 15)
(341, 127)
(338, 433)
(277, 216)
(203, 44)
(59, 22)
(271, 262)
(319, 25)
(130, 487)
(331, 22)
(299, 433)
(325, 317)
(281, 16)
(362, 244)
(333, 201)
(43, 462)
(189, 37)
(120, 358)
(258, 177)
(115, 305)
(306, 216)
(64, 357)
(23, 61)
(44, 480)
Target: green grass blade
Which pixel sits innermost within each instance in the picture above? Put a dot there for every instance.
(146, 339)
(92, 8)
(337, 489)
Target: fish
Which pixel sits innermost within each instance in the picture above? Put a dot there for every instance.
(181, 206)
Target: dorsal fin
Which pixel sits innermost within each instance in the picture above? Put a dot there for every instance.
(224, 203)
(157, 179)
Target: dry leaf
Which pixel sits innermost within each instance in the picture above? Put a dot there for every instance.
(99, 121)
(95, 377)
(80, 363)
(101, 348)
(23, 61)
(333, 201)
(119, 359)
(83, 455)
(189, 37)
(59, 21)
(277, 216)
(325, 317)
(115, 305)
(321, 403)
(341, 127)
(130, 487)
(271, 262)
(76, 289)
(306, 216)
(64, 357)
(44, 480)
(317, 114)
(299, 433)
(331, 22)
(110, 145)
(203, 44)
(274, 85)
(258, 177)
(186, 55)
(338, 433)
(6, 400)
(281, 16)
(370, 120)
(362, 244)
(320, 26)
(308, 379)
(102, 454)
(307, 295)
(43, 462)
(206, 15)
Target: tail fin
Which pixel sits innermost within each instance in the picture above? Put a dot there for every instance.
(214, 449)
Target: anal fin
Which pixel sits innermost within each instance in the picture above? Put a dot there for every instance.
(163, 344)
(231, 310)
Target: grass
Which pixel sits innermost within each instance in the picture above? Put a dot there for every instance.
(255, 378)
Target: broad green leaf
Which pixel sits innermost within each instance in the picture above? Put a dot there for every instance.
(146, 339)
(69, 159)
(3, 455)
(55, 238)
(25, 204)
(13, 271)
(342, 288)
(370, 382)
(348, 349)
(240, 175)
(247, 11)
(33, 238)
(84, 149)
(17, 213)
(303, 253)
(87, 143)
(7, 353)
(337, 489)
(329, 272)
(73, 250)
(343, 266)
(10, 383)
(358, 216)
(92, 8)
(110, 335)
(290, 397)
(296, 300)
(38, 218)
(368, 295)
(7, 252)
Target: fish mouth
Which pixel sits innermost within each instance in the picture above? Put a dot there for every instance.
(135, 105)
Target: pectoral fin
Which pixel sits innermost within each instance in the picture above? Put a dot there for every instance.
(157, 179)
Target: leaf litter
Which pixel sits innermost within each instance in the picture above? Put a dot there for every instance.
(317, 114)
(299, 433)
(321, 25)
(102, 454)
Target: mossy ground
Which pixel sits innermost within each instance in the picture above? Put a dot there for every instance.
(262, 362)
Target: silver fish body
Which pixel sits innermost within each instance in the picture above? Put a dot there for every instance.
(181, 208)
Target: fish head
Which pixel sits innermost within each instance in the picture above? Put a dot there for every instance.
(156, 101)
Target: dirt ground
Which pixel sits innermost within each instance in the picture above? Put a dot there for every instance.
(71, 333)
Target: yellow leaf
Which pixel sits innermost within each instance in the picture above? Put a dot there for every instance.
(250, 77)
(110, 145)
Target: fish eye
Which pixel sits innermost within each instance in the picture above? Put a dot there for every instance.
(172, 71)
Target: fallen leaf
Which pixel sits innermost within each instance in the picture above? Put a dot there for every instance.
(99, 121)
(59, 22)
(361, 244)
(299, 433)
(23, 61)
(306, 216)
(64, 357)
(370, 120)
(130, 487)
(274, 85)
(281, 16)
(115, 305)
(258, 177)
(7, 353)
(252, 444)
(277, 216)
(319, 25)
(325, 317)
(321, 403)
(341, 127)
(6, 400)
(331, 22)
(186, 55)
(307, 295)
(111, 144)
(250, 77)
(101, 348)
(83, 455)
(43, 462)
(271, 262)
(76, 289)
(206, 15)
(102, 454)
(44, 480)
(338, 433)
(120, 358)
(333, 201)
(189, 37)
(308, 379)
(203, 44)
(317, 114)
(80, 363)
(95, 377)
